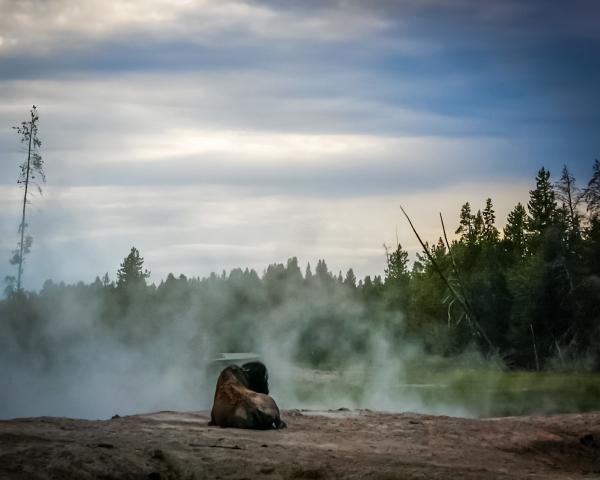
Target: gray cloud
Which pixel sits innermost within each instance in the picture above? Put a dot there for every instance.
(271, 118)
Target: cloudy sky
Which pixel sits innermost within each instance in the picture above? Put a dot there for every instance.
(213, 134)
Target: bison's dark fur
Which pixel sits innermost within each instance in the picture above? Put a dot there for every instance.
(242, 400)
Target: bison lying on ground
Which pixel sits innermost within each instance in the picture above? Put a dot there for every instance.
(242, 399)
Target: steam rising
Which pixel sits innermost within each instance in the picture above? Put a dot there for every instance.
(71, 352)
(93, 351)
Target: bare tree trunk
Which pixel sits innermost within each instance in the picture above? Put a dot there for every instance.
(22, 228)
(457, 296)
(537, 360)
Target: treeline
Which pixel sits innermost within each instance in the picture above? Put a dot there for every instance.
(532, 292)
(315, 319)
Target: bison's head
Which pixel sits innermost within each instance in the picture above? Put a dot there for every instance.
(257, 377)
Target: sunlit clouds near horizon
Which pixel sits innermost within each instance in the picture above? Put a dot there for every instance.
(221, 134)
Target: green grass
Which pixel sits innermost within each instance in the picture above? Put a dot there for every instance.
(476, 392)
(497, 393)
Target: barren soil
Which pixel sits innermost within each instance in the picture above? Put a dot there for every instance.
(316, 445)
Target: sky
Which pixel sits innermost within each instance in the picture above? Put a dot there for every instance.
(214, 134)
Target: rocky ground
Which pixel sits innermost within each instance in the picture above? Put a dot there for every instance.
(317, 445)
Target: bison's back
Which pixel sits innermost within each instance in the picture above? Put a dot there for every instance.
(238, 407)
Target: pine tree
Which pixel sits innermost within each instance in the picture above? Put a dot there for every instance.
(465, 227)
(131, 273)
(293, 273)
(490, 232)
(568, 194)
(308, 273)
(542, 208)
(591, 194)
(515, 235)
(350, 279)
(478, 228)
(438, 251)
(397, 278)
(397, 265)
(321, 272)
(106, 280)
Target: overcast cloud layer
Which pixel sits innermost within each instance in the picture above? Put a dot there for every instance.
(216, 134)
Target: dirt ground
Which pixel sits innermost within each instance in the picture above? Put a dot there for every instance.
(316, 445)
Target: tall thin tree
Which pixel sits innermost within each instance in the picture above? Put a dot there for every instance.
(30, 170)
(569, 195)
(591, 194)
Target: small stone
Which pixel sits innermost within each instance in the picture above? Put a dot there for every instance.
(267, 470)
(158, 454)
(105, 445)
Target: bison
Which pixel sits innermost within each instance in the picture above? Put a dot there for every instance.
(242, 399)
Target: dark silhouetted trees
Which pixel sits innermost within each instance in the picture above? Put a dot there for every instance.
(532, 290)
(131, 273)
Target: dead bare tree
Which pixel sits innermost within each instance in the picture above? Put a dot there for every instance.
(459, 295)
